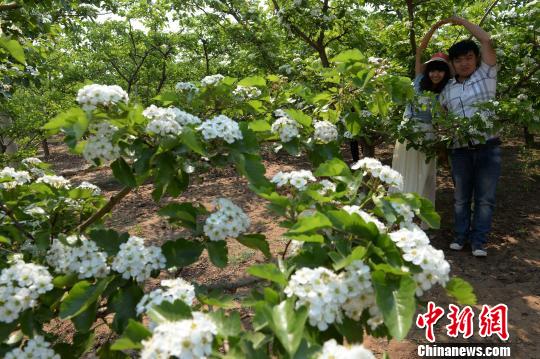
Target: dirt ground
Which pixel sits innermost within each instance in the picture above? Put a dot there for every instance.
(509, 275)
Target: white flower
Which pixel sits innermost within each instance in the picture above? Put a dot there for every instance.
(246, 92)
(96, 191)
(368, 218)
(385, 173)
(286, 69)
(16, 178)
(35, 348)
(91, 96)
(332, 350)
(185, 339)
(186, 86)
(176, 289)
(212, 80)
(407, 239)
(164, 127)
(229, 221)
(325, 131)
(360, 291)
(327, 187)
(297, 179)
(286, 128)
(403, 210)
(221, 127)
(99, 145)
(321, 291)
(31, 161)
(20, 286)
(522, 97)
(84, 259)
(137, 261)
(54, 181)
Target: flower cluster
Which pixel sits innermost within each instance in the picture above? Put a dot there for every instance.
(20, 286)
(221, 127)
(246, 92)
(99, 145)
(321, 291)
(404, 211)
(137, 261)
(163, 123)
(186, 86)
(185, 339)
(80, 256)
(229, 221)
(325, 131)
(212, 80)
(177, 289)
(54, 181)
(96, 191)
(368, 218)
(385, 173)
(286, 128)
(297, 179)
(332, 350)
(91, 96)
(15, 178)
(36, 347)
(170, 114)
(327, 187)
(416, 249)
(33, 164)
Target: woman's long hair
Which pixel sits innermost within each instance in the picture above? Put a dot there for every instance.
(427, 85)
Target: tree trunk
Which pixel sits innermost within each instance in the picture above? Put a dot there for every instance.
(529, 137)
(45, 146)
(368, 149)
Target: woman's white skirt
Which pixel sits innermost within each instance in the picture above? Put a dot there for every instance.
(418, 176)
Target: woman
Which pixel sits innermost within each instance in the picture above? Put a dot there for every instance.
(431, 76)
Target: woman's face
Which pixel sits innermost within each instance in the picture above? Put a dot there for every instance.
(436, 76)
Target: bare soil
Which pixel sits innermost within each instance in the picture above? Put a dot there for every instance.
(509, 275)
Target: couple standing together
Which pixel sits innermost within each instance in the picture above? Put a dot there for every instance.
(475, 166)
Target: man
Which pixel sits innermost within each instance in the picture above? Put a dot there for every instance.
(476, 167)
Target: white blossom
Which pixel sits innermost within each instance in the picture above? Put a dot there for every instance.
(20, 286)
(16, 178)
(297, 179)
(221, 127)
(212, 80)
(286, 128)
(185, 339)
(100, 145)
(325, 131)
(385, 173)
(81, 257)
(404, 211)
(54, 181)
(246, 92)
(96, 191)
(229, 221)
(174, 289)
(360, 291)
(91, 96)
(35, 348)
(327, 187)
(332, 350)
(137, 261)
(186, 86)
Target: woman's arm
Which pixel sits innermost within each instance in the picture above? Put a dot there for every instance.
(488, 53)
(418, 65)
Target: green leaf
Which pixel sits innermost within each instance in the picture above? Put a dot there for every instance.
(26, 319)
(108, 240)
(215, 299)
(6, 329)
(217, 251)
(5, 240)
(428, 213)
(255, 241)
(349, 56)
(82, 342)
(124, 304)
(171, 312)
(227, 325)
(353, 223)
(287, 323)
(257, 81)
(461, 290)
(396, 299)
(123, 173)
(14, 48)
(299, 117)
(132, 336)
(105, 352)
(259, 126)
(69, 119)
(189, 138)
(83, 322)
(351, 329)
(333, 167)
(310, 223)
(66, 280)
(81, 296)
(314, 238)
(252, 168)
(184, 213)
(181, 252)
(268, 271)
(357, 253)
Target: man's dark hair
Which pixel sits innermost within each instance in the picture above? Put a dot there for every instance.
(463, 48)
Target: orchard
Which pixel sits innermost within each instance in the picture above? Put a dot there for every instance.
(164, 95)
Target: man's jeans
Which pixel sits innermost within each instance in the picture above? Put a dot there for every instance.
(475, 172)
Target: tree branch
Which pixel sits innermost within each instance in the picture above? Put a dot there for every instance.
(9, 6)
(19, 226)
(105, 209)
